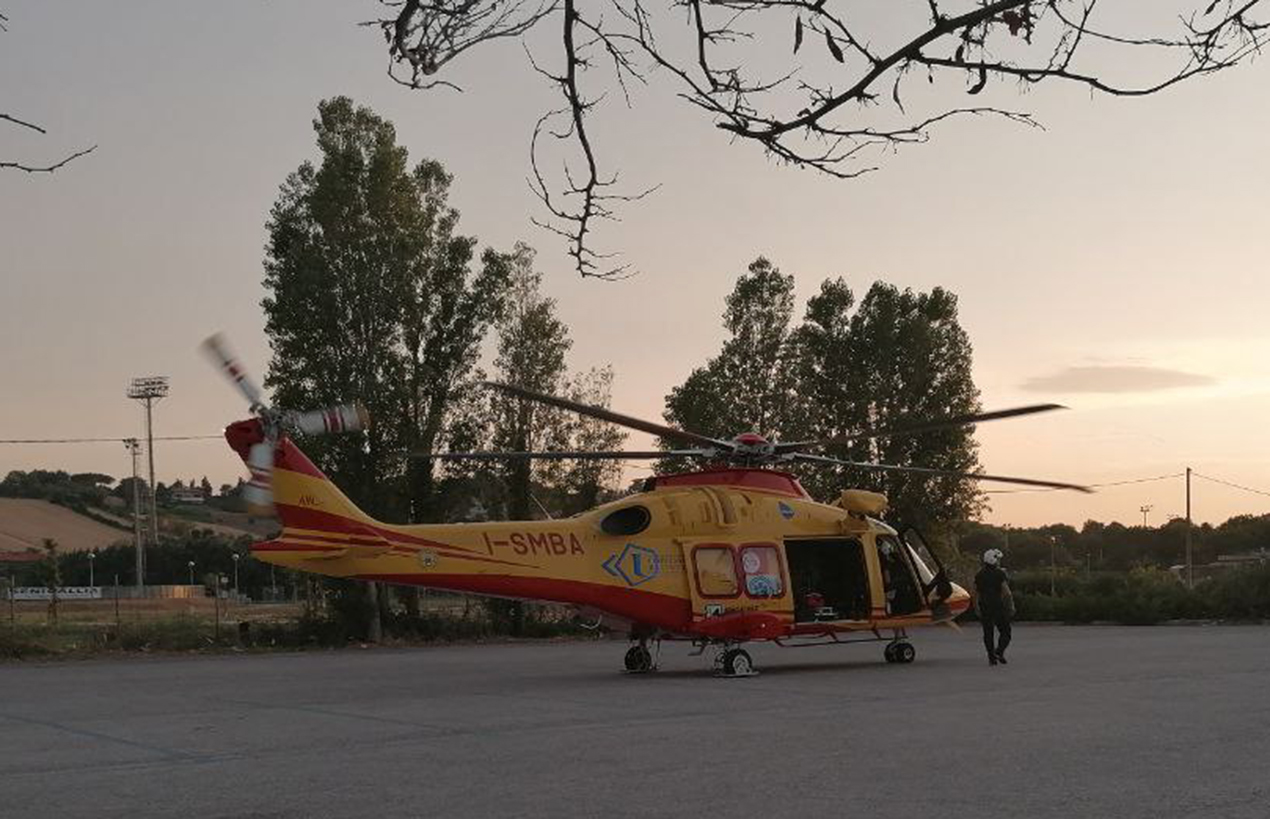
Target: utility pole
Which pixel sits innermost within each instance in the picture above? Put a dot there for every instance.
(1144, 510)
(134, 447)
(149, 390)
(1190, 566)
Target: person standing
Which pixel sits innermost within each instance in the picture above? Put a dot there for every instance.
(995, 605)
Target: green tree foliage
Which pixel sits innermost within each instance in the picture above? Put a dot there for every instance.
(1114, 547)
(911, 361)
(896, 358)
(583, 484)
(532, 343)
(372, 297)
(750, 385)
(74, 491)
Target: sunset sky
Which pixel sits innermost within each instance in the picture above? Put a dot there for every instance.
(1114, 261)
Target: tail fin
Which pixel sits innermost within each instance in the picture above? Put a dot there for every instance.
(316, 516)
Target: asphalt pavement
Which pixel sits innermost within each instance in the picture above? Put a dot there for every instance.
(1083, 722)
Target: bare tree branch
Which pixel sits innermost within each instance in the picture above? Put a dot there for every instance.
(18, 166)
(14, 165)
(843, 97)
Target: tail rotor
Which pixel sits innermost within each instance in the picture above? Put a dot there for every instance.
(275, 424)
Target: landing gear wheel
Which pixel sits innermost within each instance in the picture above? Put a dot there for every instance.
(903, 652)
(736, 662)
(889, 653)
(639, 660)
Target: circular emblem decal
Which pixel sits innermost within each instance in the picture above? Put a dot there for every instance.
(751, 563)
(427, 558)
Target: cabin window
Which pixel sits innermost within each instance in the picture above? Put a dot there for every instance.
(761, 566)
(629, 521)
(716, 571)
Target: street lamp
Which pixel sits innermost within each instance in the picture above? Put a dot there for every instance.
(1053, 562)
(91, 557)
(236, 556)
(191, 565)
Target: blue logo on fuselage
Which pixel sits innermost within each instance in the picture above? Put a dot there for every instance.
(634, 564)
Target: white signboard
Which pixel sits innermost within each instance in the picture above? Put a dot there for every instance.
(64, 593)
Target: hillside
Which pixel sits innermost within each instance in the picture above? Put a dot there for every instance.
(24, 523)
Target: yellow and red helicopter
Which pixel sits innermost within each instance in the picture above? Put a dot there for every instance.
(734, 552)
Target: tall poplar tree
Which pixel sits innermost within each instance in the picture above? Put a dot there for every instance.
(532, 343)
(896, 358)
(372, 297)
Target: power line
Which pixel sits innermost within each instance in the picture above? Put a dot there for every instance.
(1115, 483)
(1233, 485)
(103, 440)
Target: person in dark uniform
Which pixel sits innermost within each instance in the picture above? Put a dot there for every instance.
(995, 605)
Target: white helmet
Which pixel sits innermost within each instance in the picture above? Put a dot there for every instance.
(993, 557)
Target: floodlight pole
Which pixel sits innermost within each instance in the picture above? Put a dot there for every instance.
(149, 390)
(154, 512)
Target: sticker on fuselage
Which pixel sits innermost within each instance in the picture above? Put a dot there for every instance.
(787, 511)
(427, 558)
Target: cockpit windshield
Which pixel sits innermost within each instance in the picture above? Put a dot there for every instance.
(923, 571)
(923, 559)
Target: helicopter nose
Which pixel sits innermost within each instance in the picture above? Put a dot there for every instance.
(959, 600)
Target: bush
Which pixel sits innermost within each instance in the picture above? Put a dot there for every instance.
(1142, 596)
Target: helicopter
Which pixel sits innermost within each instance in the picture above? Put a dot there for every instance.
(733, 552)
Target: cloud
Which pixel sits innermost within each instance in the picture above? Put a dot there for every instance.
(1115, 378)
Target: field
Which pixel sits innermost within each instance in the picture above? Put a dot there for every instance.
(25, 523)
(1096, 721)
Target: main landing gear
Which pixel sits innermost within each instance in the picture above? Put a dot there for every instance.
(734, 662)
(639, 660)
(899, 650)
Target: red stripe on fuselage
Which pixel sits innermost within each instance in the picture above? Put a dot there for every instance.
(299, 543)
(297, 517)
(661, 610)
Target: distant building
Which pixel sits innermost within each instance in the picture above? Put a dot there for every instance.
(1224, 563)
(189, 497)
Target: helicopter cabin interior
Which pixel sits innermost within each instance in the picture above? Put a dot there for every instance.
(830, 579)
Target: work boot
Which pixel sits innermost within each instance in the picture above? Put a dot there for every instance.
(1001, 658)
(992, 659)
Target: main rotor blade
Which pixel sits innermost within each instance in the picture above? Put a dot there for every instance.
(660, 430)
(564, 456)
(947, 473)
(933, 424)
